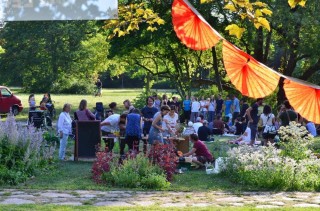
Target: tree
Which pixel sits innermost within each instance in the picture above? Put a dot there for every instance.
(43, 56)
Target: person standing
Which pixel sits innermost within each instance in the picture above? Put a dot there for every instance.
(203, 107)
(227, 107)
(157, 102)
(133, 131)
(176, 104)
(108, 127)
(219, 103)
(195, 107)
(268, 119)
(128, 106)
(252, 113)
(186, 109)
(99, 88)
(64, 129)
(83, 114)
(155, 133)
(170, 121)
(235, 108)
(211, 109)
(148, 113)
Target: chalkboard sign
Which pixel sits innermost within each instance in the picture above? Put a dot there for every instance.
(88, 135)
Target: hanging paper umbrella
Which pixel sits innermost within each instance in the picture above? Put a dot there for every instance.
(304, 97)
(191, 28)
(250, 77)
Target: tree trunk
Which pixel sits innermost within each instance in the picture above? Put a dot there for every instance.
(258, 50)
(216, 70)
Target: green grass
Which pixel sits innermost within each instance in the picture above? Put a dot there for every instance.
(156, 208)
(108, 96)
(77, 176)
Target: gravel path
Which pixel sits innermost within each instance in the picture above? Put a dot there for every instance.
(163, 199)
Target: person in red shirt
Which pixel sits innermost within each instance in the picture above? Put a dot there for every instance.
(200, 153)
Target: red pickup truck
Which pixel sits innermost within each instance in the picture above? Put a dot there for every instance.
(9, 101)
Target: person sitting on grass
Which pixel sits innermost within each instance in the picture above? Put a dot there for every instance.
(204, 132)
(244, 139)
(199, 152)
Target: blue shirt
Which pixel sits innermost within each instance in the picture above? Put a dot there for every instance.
(187, 105)
(133, 125)
(228, 104)
(236, 105)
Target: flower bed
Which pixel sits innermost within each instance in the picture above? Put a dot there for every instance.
(291, 167)
(22, 151)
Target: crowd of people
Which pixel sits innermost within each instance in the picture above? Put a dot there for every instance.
(160, 119)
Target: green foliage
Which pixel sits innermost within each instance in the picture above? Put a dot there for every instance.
(137, 172)
(22, 152)
(48, 56)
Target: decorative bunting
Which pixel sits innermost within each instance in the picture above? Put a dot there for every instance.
(191, 27)
(249, 76)
(304, 98)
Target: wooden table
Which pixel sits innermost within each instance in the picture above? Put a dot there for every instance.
(181, 143)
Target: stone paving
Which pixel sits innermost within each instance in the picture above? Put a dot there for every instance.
(161, 198)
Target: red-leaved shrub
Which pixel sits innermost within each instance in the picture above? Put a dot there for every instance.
(165, 157)
(101, 164)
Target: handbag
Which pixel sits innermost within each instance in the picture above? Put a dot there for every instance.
(270, 129)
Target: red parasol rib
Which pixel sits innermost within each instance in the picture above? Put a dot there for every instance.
(304, 98)
(250, 77)
(191, 28)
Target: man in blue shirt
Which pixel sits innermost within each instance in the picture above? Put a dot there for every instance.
(227, 107)
(235, 108)
(187, 109)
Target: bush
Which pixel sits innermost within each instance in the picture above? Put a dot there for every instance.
(134, 172)
(165, 157)
(22, 151)
(292, 167)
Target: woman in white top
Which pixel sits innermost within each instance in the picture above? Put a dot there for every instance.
(64, 129)
(195, 107)
(170, 121)
(211, 109)
(204, 107)
(268, 119)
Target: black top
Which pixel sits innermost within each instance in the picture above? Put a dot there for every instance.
(254, 113)
(239, 128)
(148, 113)
(99, 84)
(219, 105)
(244, 107)
(203, 133)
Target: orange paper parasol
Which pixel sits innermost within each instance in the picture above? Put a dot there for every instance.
(191, 28)
(304, 97)
(250, 77)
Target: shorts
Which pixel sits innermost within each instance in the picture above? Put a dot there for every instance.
(203, 159)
